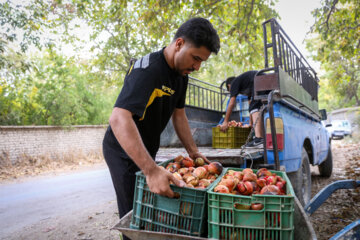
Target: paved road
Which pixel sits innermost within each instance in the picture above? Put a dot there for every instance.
(22, 204)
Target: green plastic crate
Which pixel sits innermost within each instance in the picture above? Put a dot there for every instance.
(234, 137)
(186, 215)
(275, 221)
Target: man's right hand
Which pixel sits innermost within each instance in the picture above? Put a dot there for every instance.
(224, 126)
(158, 181)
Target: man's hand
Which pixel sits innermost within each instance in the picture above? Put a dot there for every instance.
(197, 155)
(224, 126)
(158, 182)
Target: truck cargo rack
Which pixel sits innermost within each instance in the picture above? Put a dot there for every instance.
(286, 70)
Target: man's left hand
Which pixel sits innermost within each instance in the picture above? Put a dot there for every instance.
(224, 126)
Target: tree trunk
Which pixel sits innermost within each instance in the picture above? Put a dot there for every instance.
(357, 99)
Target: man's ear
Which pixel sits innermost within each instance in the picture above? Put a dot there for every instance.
(179, 43)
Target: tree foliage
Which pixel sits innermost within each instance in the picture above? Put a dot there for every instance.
(51, 88)
(60, 91)
(135, 28)
(337, 47)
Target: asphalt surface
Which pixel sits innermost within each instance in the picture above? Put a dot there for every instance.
(40, 198)
(23, 204)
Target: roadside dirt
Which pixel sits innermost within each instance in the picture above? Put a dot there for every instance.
(338, 211)
(343, 207)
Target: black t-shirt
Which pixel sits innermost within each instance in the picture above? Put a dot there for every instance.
(151, 91)
(243, 84)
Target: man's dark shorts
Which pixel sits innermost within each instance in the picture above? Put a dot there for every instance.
(255, 106)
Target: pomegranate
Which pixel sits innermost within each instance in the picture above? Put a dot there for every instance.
(255, 187)
(280, 185)
(232, 123)
(261, 182)
(256, 206)
(204, 182)
(249, 176)
(199, 162)
(215, 168)
(172, 167)
(183, 171)
(177, 176)
(221, 189)
(247, 170)
(178, 158)
(236, 180)
(194, 181)
(229, 183)
(211, 177)
(239, 175)
(270, 190)
(270, 180)
(206, 167)
(245, 188)
(200, 172)
(263, 172)
(280, 179)
(241, 206)
(188, 177)
(187, 162)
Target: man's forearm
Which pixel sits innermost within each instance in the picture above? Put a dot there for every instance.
(229, 109)
(128, 136)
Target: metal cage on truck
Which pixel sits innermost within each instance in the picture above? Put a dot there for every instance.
(290, 74)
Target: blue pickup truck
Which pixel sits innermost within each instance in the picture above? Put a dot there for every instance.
(294, 134)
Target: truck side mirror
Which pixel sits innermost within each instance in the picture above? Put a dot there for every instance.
(323, 114)
(328, 125)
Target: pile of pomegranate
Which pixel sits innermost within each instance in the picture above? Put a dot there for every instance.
(233, 123)
(195, 174)
(246, 182)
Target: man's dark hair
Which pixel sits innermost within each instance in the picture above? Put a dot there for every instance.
(229, 81)
(200, 32)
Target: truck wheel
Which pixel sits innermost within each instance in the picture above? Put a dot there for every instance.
(326, 167)
(301, 179)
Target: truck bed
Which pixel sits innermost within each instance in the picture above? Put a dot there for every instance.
(227, 157)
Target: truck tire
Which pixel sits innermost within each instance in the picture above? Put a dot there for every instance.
(301, 180)
(326, 167)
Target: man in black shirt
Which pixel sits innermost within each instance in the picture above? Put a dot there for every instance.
(244, 84)
(154, 90)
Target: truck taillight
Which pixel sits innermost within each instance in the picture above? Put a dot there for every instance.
(279, 126)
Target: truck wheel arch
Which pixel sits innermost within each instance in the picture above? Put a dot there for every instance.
(309, 149)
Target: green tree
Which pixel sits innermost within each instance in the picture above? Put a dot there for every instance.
(23, 24)
(135, 28)
(336, 45)
(50, 88)
(61, 91)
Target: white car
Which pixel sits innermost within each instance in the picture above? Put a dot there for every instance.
(339, 129)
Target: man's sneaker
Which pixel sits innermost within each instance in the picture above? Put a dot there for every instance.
(256, 143)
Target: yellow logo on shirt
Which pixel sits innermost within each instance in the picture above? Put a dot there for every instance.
(167, 89)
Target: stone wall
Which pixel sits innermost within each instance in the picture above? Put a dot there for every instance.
(15, 141)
